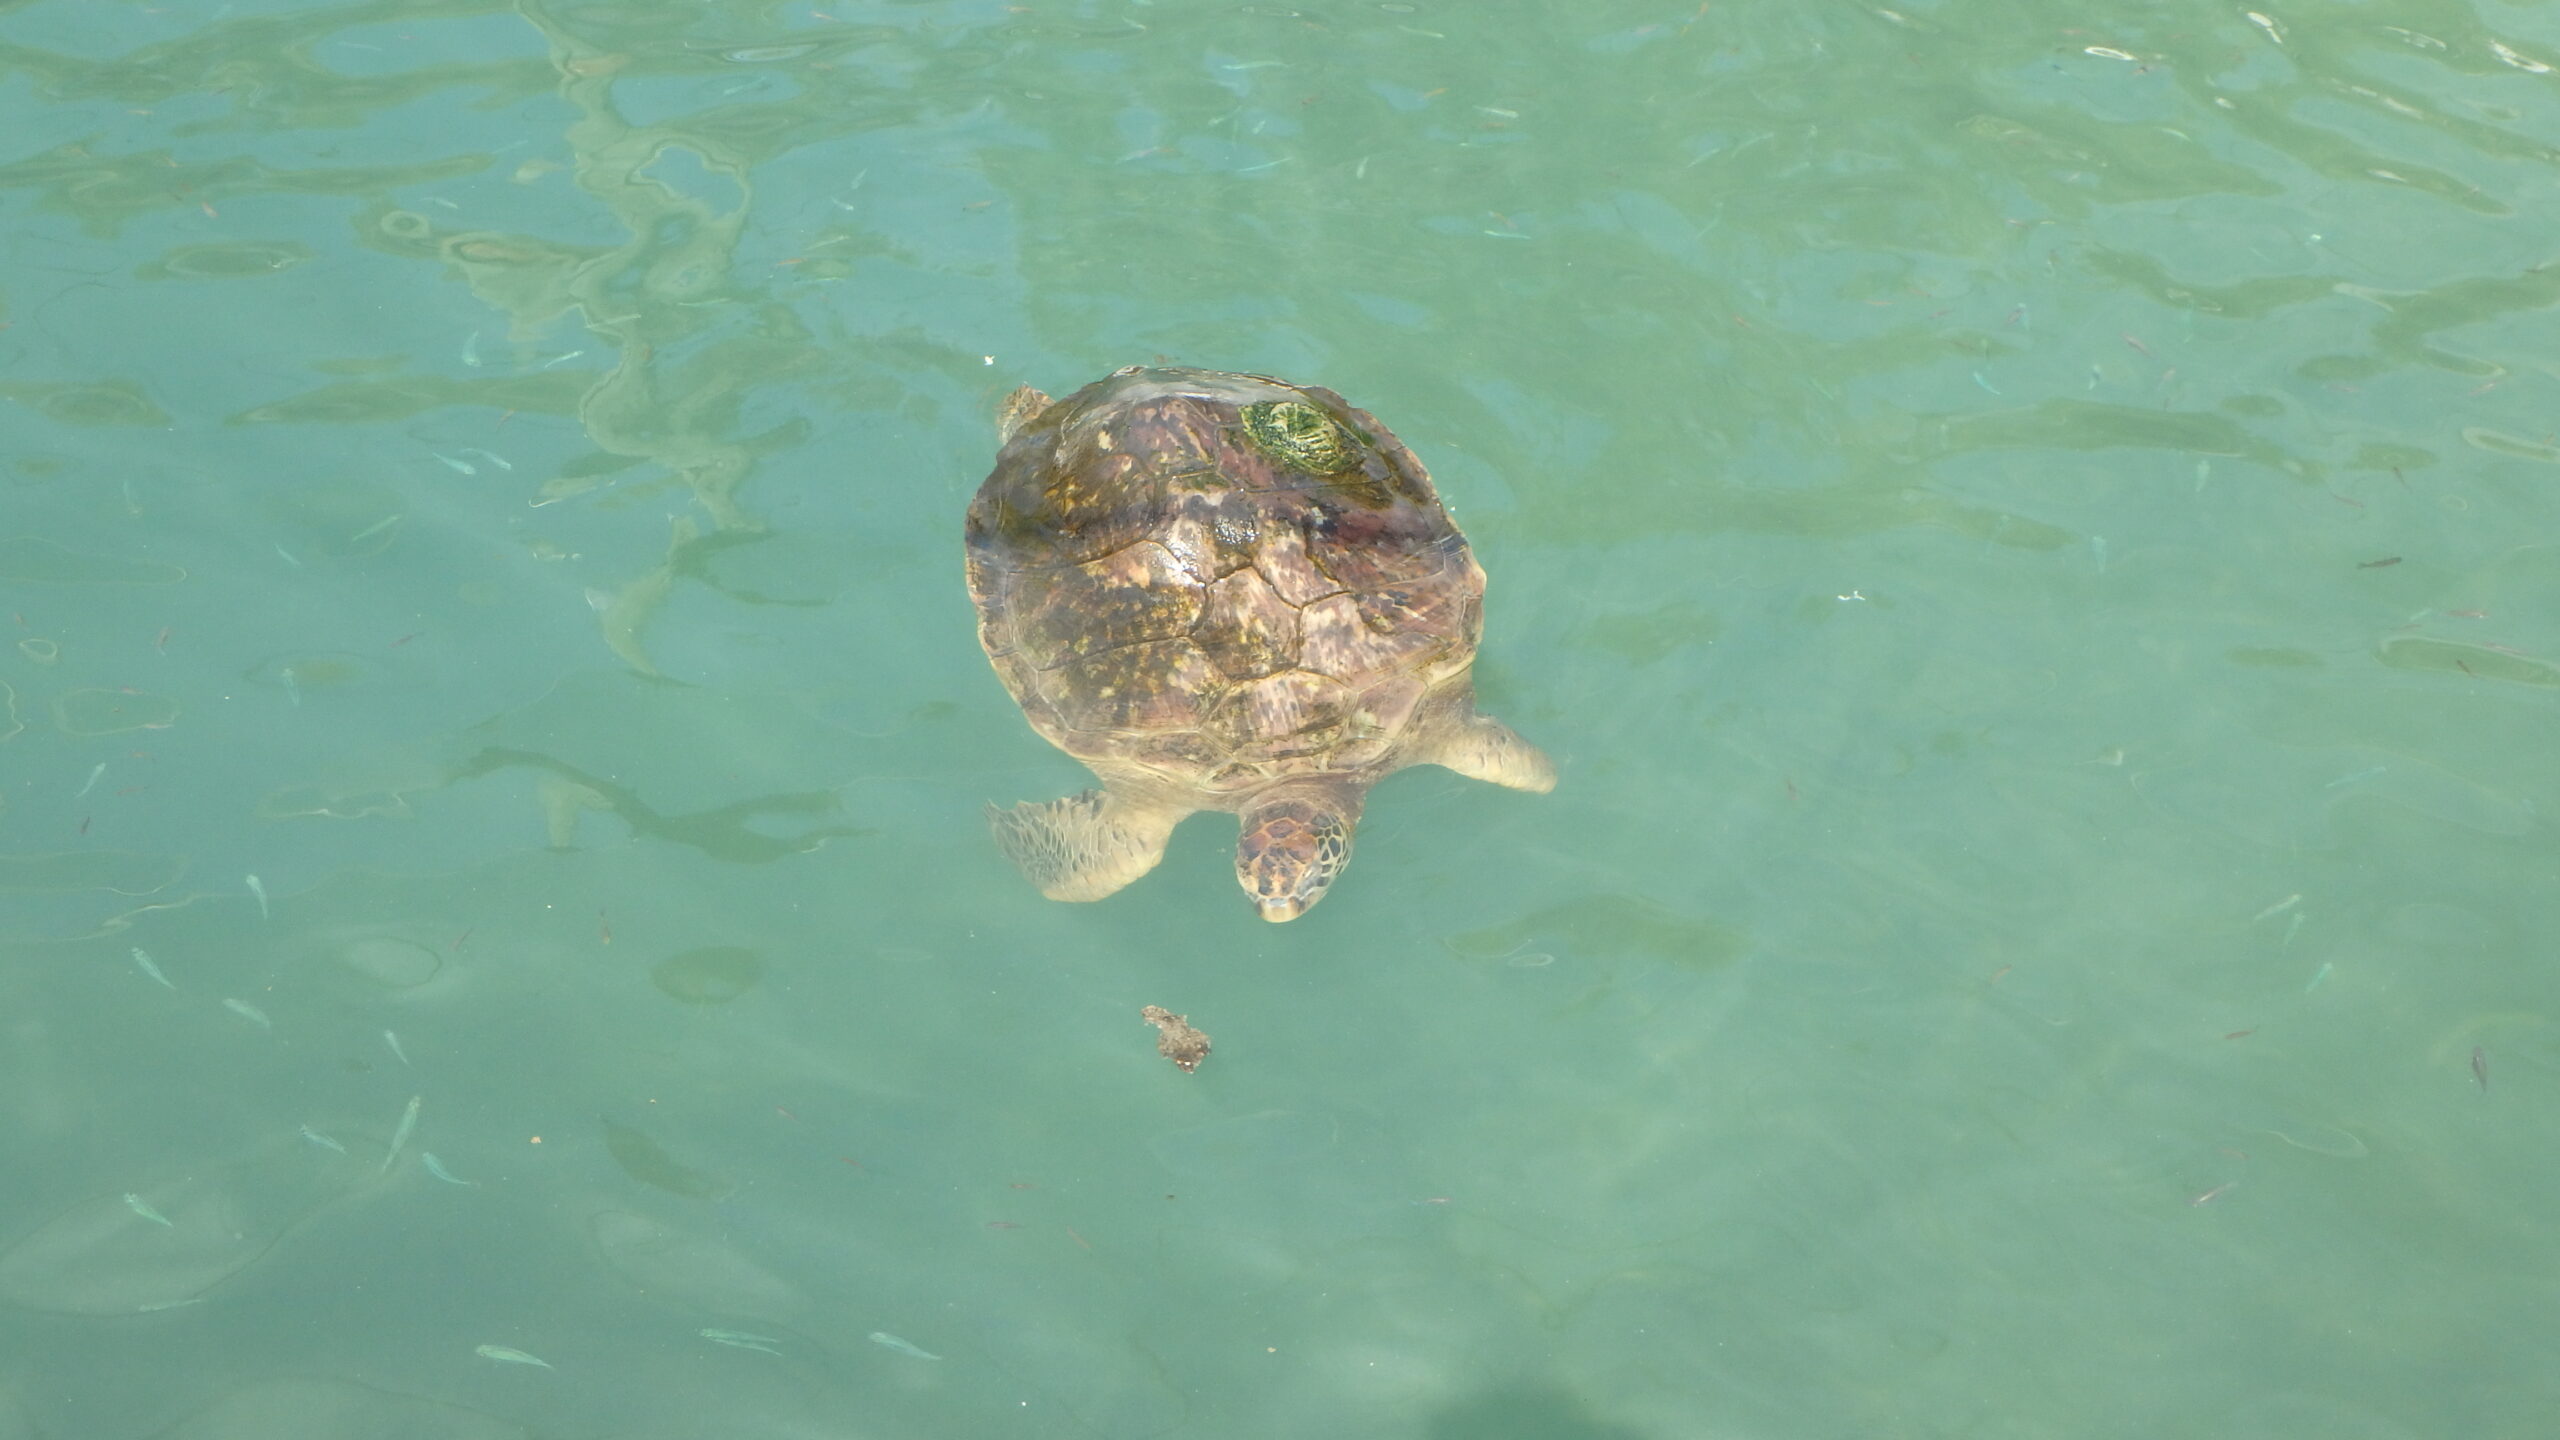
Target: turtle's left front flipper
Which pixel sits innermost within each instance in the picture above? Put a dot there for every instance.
(1483, 748)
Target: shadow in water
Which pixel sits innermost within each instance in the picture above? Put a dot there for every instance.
(1525, 1412)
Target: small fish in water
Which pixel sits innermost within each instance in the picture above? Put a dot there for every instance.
(143, 960)
(903, 1347)
(471, 350)
(93, 780)
(400, 1133)
(250, 1013)
(497, 460)
(436, 1168)
(2480, 1068)
(2277, 908)
(464, 467)
(742, 1340)
(2317, 976)
(323, 1141)
(376, 528)
(394, 1042)
(507, 1355)
(258, 888)
(142, 1207)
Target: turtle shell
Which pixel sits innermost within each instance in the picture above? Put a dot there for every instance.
(1220, 579)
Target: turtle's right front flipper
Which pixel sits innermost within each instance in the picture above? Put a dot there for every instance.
(1085, 846)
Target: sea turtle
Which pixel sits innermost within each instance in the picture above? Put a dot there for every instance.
(1224, 592)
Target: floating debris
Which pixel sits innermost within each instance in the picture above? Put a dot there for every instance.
(1175, 1039)
(883, 1337)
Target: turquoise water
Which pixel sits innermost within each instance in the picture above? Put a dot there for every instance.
(2032, 545)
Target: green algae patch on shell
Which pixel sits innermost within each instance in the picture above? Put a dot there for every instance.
(711, 975)
(1299, 436)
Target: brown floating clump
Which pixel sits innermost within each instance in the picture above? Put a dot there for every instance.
(1175, 1039)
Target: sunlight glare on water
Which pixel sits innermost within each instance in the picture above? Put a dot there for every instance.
(2030, 537)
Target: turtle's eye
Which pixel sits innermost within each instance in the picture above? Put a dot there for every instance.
(1299, 436)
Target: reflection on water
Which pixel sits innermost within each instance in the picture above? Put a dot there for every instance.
(2027, 537)
(172, 1242)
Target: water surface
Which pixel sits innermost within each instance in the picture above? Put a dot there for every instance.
(2030, 537)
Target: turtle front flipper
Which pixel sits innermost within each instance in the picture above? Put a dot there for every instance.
(1483, 748)
(1085, 846)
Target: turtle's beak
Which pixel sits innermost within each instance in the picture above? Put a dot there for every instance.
(1284, 908)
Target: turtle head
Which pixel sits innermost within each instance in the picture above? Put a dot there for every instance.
(1297, 838)
(1017, 410)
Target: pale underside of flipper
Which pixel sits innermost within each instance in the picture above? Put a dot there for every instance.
(1085, 846)
(1483, 748)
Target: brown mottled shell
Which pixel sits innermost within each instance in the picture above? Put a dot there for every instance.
(1164, 582)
